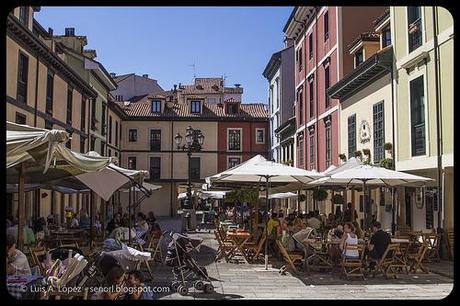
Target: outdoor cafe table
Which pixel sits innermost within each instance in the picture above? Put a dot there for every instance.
(239, 239)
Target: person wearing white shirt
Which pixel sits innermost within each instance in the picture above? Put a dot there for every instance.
(17, 263)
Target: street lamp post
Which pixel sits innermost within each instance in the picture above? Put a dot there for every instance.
(191, 145)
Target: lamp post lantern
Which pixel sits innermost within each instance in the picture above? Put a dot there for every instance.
(193, 143)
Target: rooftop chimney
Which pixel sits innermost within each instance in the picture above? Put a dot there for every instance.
(237, 85)
(113, 74)
(175, 87)
(145, 75)
(69, 31)
(50, 31)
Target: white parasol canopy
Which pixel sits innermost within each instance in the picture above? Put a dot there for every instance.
(44, 155)
(372, 175)
(281, 195)
(259, 169)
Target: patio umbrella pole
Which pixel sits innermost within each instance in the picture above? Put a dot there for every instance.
(393, 225)
(266, 224)
(129, 216)
(21, 207)
(91, 231)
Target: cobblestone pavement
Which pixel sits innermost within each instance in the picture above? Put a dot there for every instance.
(252, 281)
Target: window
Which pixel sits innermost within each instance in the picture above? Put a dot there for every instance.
(212, 100)
(132, 135)
(155, 140)
(110, 129)
(326, 86)
(93, 115)
(299, 58)
(82, 145)
(24, 15)
(233, 161)
(156, 106)
(196, 132)
(312, 151)
(120, 132)
(234, 140)
(351, 135)
(83, 115)
(48, 124)
(359, 58)
(312, 104)
(68, 144)
(379, 132)
(155, 168)
(300, 104)
(196, 107)
(21, 118)
(310, 46)
(270, 98)
(116, 133)
(326, 26)
(386, 37)
(69, 105)
(109, 152)
(232, 108)
(104, 123)
(23, 74)
(49, 92)
(417, 106)
(301, 148)
(132, 164)
(260, 136)
(328, 144)
(414, 20)
(195, 168)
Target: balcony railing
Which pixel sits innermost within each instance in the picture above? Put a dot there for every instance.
(418, 139)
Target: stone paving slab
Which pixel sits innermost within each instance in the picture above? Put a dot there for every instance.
(252, 281)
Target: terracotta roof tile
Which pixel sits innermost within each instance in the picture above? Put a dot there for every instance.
(182, 110)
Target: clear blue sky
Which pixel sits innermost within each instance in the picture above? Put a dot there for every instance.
(165, 41)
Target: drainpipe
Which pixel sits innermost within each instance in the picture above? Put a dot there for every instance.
(438, 119)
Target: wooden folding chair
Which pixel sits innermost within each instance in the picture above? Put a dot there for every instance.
(290, 258)
(415, 259)
(254, 250)
(316, 257)
(154, 246)
(223, 249)
(386, 264)
(38, 255)
(450, 242)
(353, 267)
(432, 240)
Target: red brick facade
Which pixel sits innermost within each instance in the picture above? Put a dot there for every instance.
(248, 147)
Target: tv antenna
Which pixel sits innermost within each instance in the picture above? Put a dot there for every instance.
(194, 70)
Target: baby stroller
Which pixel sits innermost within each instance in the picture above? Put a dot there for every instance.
(185, 269)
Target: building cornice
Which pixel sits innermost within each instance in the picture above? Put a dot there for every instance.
(28, 40)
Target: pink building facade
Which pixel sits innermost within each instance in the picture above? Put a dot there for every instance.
(321, 36)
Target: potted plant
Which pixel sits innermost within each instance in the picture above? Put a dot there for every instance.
(343, 157)
(337, 199)
(358, 154)
(302, 197)
(319, 194)
(388, 146)
(387, 163)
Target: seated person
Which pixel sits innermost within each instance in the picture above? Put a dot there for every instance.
(358, 231)
(335, 233)
(115, 281)
(142, 226)
(349, 238)
(137, 290)
(156, 231)
(378, 244)
(16, 261)
(313, 221)
(74, 223)
(84, 219)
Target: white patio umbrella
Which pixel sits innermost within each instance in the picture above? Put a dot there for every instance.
(371, 175)
(260, 170)
(281, 195)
